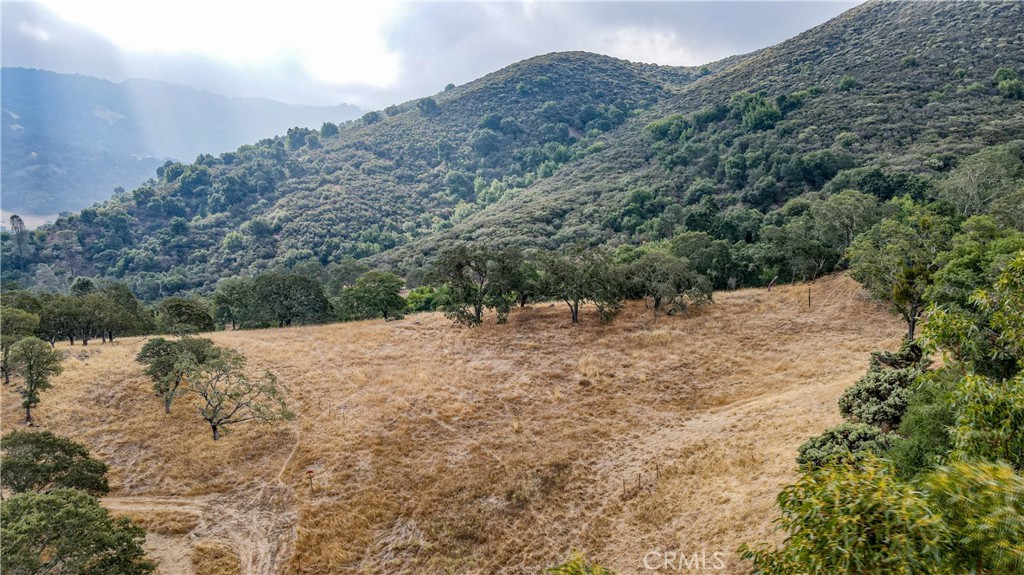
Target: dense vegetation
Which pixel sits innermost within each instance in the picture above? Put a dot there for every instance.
(925, 475)
(54, 523)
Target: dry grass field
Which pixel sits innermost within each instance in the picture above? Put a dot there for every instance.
(500, 449)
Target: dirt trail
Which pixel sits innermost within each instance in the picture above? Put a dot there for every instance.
(256, 521)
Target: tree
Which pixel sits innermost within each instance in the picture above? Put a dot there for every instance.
(841, 217)
(474, 276)
(119, 312)
(564, 278)
(41, 461)
(377, 294)
(20, 233)
(82, 286)
(662, 277)
(344, 273)
(879, 398)
(15, 324)
(67, 531)
(68, 248)
(178, 314)
(290, 298)
(170, 362)
(58, 318)
(233, 302)
(981, 179)
(896, 259)
(36, 362)
(584, 275)
(329, 129)
(227, 396)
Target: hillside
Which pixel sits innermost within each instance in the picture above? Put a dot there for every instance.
(69, 140)
(918, 98)
(435, 449)
(382, 181)
(569, 148)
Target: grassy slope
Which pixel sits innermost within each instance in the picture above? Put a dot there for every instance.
(437, 449)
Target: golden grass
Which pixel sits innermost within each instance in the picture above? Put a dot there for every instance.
(498, 449)
(162, 522)
(212, 558)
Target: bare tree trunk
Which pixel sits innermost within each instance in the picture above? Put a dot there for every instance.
(216, 431)
(28, 415)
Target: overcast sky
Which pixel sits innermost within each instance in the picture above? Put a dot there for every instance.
(373, 54)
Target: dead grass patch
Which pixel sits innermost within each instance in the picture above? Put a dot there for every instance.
(495, 449)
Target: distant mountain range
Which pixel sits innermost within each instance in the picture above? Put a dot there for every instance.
(69, 140)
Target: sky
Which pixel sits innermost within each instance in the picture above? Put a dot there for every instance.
(373, 54)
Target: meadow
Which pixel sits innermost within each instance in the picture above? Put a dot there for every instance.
(420, 447)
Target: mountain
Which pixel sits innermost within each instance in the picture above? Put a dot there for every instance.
(566, 148)
(69, 140)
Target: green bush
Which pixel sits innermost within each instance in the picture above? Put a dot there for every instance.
(844, 441)
(853, 517)
(578, 565)
(879, 398)
(923, 439)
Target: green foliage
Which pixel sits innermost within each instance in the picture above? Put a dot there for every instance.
(169, 363)
(847, 83)
(583, 275)
(663, 277)
(477, 278)
(36, 362)
(879, 398)
(41, 462)
(853, 517)
(982, 179)
(896, 259)
(858, 517)
(67, 531)
(375, 294)
(990, 419)
(227, 396)
(983, 506)
(287, 298)
(15, 324)
(923, 439)
(844, 441)
(578, 564)
(184, 315)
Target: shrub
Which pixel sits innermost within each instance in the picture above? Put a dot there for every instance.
(852, 517)
(923, 439)
(844, 441)
(579, 565)
(879, 398)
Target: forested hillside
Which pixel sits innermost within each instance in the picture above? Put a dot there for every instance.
(69, 140)
(888, 99)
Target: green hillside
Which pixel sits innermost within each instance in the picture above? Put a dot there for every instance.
(887, 97)
(575, 147)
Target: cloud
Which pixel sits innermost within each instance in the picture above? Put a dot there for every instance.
(318, 54)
